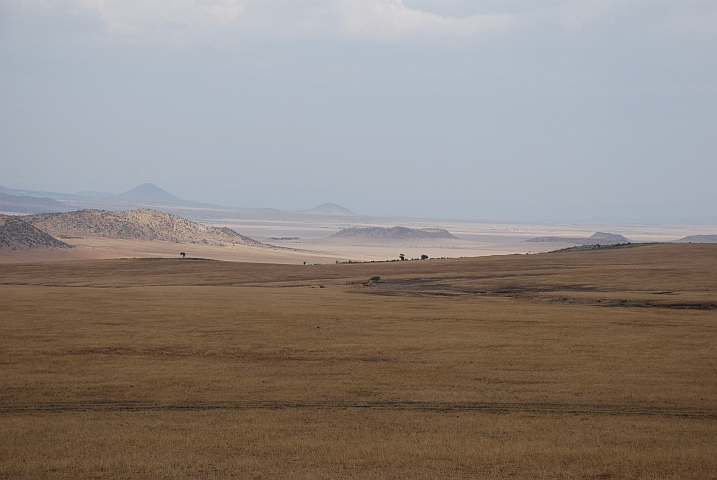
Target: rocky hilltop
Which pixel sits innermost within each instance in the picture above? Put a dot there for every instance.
(144, 224)
(15, 233)
(395, 233)
(598, 238)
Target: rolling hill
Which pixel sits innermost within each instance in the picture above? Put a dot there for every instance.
(142, 224)
(698, 239)
(147, 195)
(598, 238)
(329, 209)
(28, 204)
(151, 194)
(394, 233)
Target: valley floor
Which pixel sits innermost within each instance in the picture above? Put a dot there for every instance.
(299, 240)
(596, 364)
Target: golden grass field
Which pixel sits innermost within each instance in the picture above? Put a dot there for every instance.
(599, 364)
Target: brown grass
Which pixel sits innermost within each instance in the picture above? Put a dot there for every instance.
(573, 365)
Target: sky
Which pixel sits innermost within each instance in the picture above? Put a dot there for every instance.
(512, 110)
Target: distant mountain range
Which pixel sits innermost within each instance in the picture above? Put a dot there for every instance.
(147, 195)
(26, 204)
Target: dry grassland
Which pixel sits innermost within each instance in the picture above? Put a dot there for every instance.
(595, 364)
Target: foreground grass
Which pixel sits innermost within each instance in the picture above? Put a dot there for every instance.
(589, 364)
(350, 443)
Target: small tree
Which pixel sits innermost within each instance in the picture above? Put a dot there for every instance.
(401, 256)
(424, 257)
(182, 254)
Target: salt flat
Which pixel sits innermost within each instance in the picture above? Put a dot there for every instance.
(312, 239)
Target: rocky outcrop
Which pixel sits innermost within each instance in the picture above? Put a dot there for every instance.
(143, 224)
(395, 233)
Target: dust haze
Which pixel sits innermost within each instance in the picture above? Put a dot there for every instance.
(557, 111)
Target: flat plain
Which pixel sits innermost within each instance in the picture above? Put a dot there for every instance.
(296, 239)
(596, 364)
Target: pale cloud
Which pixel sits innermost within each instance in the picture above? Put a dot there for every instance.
(391, 18)
(133, 17)
(227, 21)
(689, 18)
(372, 19)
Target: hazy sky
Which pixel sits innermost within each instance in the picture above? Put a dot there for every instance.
(506, 110)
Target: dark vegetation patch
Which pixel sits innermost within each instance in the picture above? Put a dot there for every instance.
(603, 302)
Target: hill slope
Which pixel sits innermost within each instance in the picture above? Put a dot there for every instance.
(16, 233)
(598, 238)
(396, 233)
(698, 239)
(28, 204)
(149, 193)
(143, 224)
